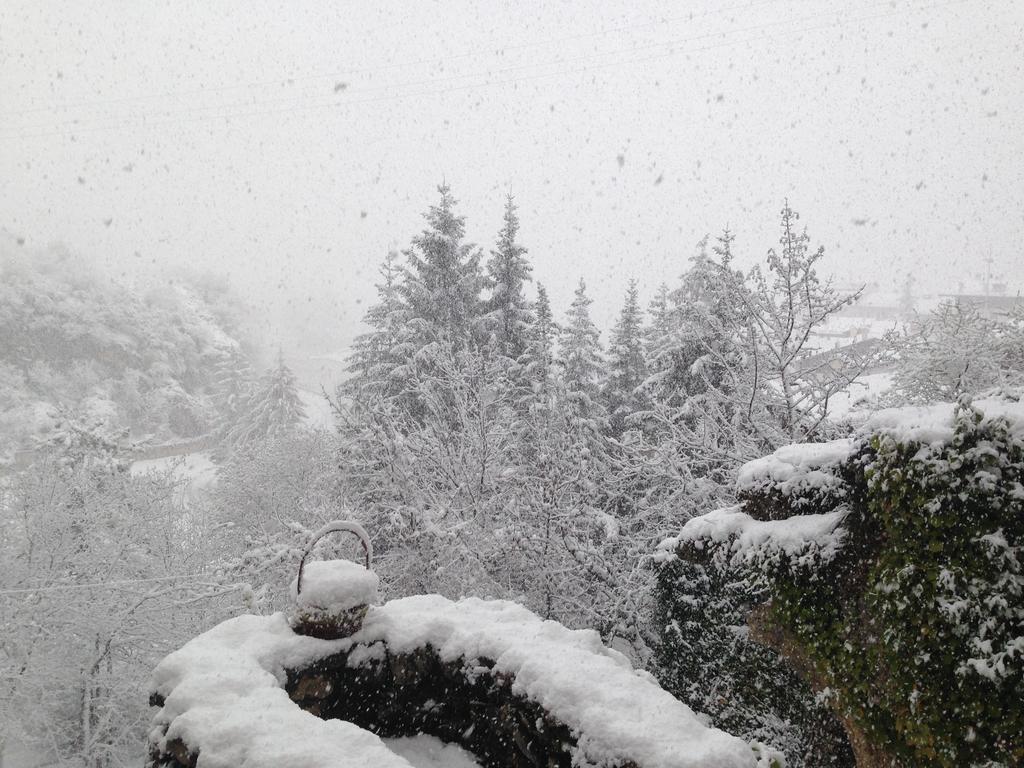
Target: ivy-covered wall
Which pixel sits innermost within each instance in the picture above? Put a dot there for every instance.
(911, 621)
(707, 659)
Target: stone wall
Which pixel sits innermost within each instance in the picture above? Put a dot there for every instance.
(406, 694)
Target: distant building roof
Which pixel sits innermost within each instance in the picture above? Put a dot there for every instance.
(988, 302)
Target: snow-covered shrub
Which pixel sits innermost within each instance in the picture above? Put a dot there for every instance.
(957, 348)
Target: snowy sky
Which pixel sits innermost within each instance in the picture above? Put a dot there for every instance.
(289, 143)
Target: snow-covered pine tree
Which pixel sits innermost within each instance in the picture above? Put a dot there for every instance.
(538, 359)
(581, 359)
(680, 321)
(586, 449)
(507, 309)
(443, 279)
(233, 384)
(655, 333)
(378, 356)
(627, 363)
(274, 409)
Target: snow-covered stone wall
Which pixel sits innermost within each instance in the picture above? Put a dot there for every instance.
(491, 676)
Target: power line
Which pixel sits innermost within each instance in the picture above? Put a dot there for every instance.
(504, 70)
(451, 78)
(105, 124)
(382, 68)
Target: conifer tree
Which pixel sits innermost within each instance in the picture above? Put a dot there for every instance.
(537, 399)
(379, 354)
(233, 382)
(538, 359)
(709, 304)
(627, 365)
(660, 313)
(442, 281)
(508, 310)
(582, 363)
(274, 409)
(582, 366)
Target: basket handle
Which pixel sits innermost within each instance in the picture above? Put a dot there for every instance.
(336, 526)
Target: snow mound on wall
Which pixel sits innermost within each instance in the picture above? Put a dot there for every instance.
(800, 538)
(617, 713)
(223, 691)
(224, 697)
(798, 467)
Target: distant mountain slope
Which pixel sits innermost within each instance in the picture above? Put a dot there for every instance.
(74, 342)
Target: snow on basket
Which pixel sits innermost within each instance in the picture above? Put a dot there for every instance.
(332, 596)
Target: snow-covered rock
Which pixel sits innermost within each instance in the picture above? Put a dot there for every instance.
(618, 714)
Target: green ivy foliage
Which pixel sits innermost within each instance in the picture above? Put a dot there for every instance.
(918, 626)
(706, 659)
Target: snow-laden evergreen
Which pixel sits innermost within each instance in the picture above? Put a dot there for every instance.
(442, 278)
(507, 309)
(273, 409)
(627, 364)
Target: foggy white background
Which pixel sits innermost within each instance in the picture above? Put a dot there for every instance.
(287, 144)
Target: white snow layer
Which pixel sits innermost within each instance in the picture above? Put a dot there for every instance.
(934, 424)
(803, 466)
(223, 690)
(797, 537)
(224, 697)
(335, 585)
(616, 712)
(425, 751)
(796, 467)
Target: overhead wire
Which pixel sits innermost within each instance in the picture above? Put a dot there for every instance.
(349, 71)
(105, 123)
(490, 73)
(143, 122)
